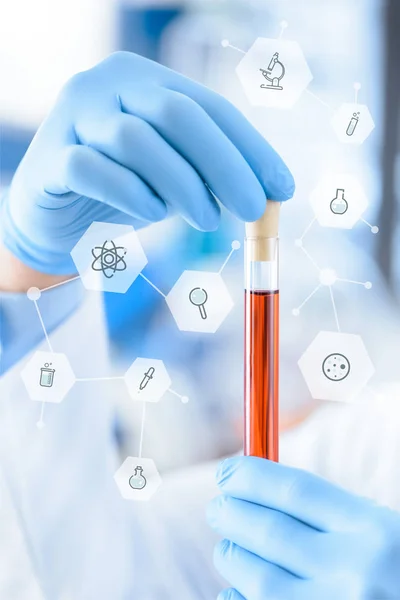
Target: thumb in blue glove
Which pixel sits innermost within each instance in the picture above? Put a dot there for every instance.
(292, 535)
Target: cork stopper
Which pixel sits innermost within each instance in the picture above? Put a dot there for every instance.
(262, 232)
(267, 226)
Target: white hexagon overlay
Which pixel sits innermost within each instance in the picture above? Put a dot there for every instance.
(48, 377)
(353, 123)
(339, 201)
(336, 366)
(199, 301)
(274, 73)
(137, 478)
(109, 257)
(147, 380)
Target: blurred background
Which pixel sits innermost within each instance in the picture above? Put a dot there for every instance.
(43, 43)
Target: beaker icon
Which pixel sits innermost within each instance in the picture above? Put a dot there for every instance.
(339, 204)
(47, 376)
(137, 481)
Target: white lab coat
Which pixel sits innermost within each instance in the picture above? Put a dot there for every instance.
(66, 533)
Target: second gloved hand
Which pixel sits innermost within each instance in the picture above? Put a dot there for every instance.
(130, 141)
(290, 535)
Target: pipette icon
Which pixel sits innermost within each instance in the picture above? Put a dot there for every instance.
(148, 376)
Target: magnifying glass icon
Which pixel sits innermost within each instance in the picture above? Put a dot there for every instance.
(198, 297)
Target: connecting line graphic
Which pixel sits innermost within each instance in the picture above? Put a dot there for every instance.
(142, 430)
(184, 399)
(226, 43)
(234, 246)
(374, 229)
(327, 278)
(152, 285)
(284, 25)
(299, 244)
(43, 326)
(51, 287)
(334, 308)
(310, 93)
(357, 88)
(100, 378)
(34, 295)
(40, 424)
(307, 229)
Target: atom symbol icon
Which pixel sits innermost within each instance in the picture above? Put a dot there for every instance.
(109, 259)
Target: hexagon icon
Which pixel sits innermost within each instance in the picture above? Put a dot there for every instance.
(274, 73)
(353, 123)
(109, 257)
(48, 377)
(199, 301)
(137, 478)
(336, 366)
(339, 201)
(147, 380)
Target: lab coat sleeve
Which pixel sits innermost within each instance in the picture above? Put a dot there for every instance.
(20, 326)
(74, 530)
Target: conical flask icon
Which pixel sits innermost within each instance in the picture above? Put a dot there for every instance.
(137, 481)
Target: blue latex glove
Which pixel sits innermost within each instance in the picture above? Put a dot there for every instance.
(290, 535)
(132, 141)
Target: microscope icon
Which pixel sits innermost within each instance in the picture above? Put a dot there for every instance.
(274, 73)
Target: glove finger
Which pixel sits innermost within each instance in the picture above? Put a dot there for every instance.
(268, 534)
(188, 129)
(252, 576)
(269, 168)
(298, 493)
(135, 144)
(86, 172)
(230, 594)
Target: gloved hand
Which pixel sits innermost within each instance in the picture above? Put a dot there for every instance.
(290, 535)
(130, 141)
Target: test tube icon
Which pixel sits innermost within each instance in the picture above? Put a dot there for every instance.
(47, 376)
(353, 124)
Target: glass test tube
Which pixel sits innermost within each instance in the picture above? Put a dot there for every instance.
(261, 368)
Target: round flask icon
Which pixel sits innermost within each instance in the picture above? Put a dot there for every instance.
(137, 481)
(339, 204)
